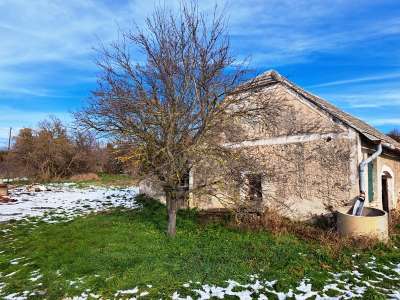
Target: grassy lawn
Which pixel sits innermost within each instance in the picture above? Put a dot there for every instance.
(109, 180)
(105, 179)
(121, 250)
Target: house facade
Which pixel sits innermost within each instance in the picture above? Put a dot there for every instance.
(308, 154)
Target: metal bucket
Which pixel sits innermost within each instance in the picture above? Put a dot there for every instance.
(373, 223)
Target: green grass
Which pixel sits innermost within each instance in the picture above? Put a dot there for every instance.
(109, 180)
(105, 179)
(123, 249)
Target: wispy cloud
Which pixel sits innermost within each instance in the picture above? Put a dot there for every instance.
(385, 121)
(12, 117)
(280, 32)
(272, 32)
(19, 118)
(37, 92)
(47, 45)
(358, 80)
(368, 95)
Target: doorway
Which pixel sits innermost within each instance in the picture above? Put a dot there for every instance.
(385, 194)
(387, 190)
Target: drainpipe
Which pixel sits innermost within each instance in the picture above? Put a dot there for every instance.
(359, 205)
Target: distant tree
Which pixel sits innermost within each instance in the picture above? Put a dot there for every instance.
(88, 153)
(53, 150)
(22, 152)
(112, 164)
(50, 152)
(3, 163)
(395, 134)
(170, 107)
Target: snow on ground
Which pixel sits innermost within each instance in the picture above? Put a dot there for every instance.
(60, 202)
(344, 285)
(64, 201)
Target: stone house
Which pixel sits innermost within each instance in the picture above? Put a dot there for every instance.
(309, 154)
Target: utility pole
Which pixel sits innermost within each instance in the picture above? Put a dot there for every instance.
(8, 154)
(4, 185)
(9, 139)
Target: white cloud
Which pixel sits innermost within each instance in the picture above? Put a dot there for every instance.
(385, 121)
(66, 31)
(10, 117)
(358, 80)
(51, 30)
(279, 32)
(379, 98)
(45, 34)
(17, 119)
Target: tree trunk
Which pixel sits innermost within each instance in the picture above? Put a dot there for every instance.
(172, 208)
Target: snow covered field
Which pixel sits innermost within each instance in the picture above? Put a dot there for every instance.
(64, 201)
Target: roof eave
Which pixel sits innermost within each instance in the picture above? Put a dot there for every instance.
(370, 137)
(377, 141)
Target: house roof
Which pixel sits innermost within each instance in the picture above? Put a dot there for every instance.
(369, 132)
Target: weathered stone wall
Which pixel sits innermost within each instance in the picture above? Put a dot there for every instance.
(152, 187)
(299, 180)
(309, 161)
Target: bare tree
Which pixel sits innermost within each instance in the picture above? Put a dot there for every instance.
(394, 134)
(171, 105)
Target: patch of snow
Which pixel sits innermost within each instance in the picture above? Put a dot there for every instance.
(36, 278)
(15, 261)
(15, 296)
(142, 294)
(127, 292)
(11, 274)
(395, 295)
(341, 284)
(64, 201)
(397, 268)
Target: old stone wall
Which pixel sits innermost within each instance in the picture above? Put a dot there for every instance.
(299, 180)
(308, 161)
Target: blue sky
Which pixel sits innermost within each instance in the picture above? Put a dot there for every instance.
(345, 51)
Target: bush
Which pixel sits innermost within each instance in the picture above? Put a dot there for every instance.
(319, 233)
(52, 152)
(394, 221)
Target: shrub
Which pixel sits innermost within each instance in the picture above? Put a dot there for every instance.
(52, 152)
(315, 233)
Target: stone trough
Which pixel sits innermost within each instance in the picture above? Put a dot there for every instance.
(373, 223)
